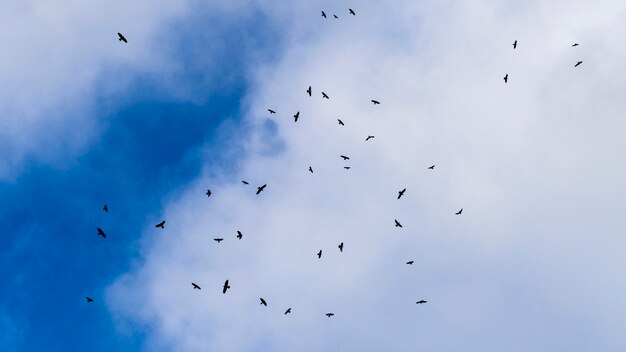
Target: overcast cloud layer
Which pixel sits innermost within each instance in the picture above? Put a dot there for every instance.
(535, 262)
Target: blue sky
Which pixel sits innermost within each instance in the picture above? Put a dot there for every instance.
(535, 262)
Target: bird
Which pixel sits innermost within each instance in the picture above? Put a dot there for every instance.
(226, 287)
(311, 169)
(347, 167)
(161, 224)
(352, 12)
(324, 95)
(195, 286)
(121, 37)
(340, 122)
(506, 78)
(271, 111)
(340, 247)
(368, 138)
(397, 223)
(335, 16)
(330, 314)
(260, 189)
(245, 182)
(324, 14)
(459, 212)
(89, 299)
(263, 302)
(296, 116)
(432, 167)
(376, 102)
(578, 63)
(344, 157)
(101, 233)
(105, 208)
(575, 44)
(515, 44)
(401, 193)
(239, 234)
(218, 240)
(410, 262)
(309, 90)
(208, 193)
(421, 302)
(319, 254)
(288, 311)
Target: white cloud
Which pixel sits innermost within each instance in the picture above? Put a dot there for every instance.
(534, 261)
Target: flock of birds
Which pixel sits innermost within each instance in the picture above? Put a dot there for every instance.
(296, 116)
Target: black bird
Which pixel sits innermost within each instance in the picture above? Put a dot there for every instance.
(218, 240)
(260, 189)
(226, 287)
(515, 44)
(105, 208)
(347, 167)
(330, 314)
(344, 157)
(376, 102)
(575, 44)
(101, 233)
(459, 212)
(397, 223)
(89, 299)
(506, 78)
(368, 138)
(288, 311)
(311, 169)
(352, 12)
(432, 167)
(271, 111)
(121, 38)
(263, 302)
(410, 262)
(578, 63)
(296, 116)
(421, 302)
(324, 14)
(324, 95)
(239, 234)
(245, 182)
(340, 122)
(161, 224)
(340, 247)
(319, 254)
(208, 193)
(401, 193)
(309, 90)
(195, 286)
(335, 16)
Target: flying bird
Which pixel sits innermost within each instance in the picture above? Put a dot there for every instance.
(101, 233)
(397, 223)
(401, 193)
(330, 314)
(245, 182)
(263, 302)
(340, 122)
(324, 14)
(288, 311)
(515, 44)
(89, 299)
(421, 302)
(410, 262)
(352, 12)
(347, 167)
(208, 193)
(309, 90)
(432, 167)
(319, 254)
(161, 224)
(239, 234)
(324, 95)
(344, 157)
(340, 247)
(368, 138)
(195, 286)
(296, 116)
(311, 169)
(575, 44)
(121, 37)
(260, 189)
(578, 63)
(226, 287)
(218, 240)
(335, 16)
(459, 212)
(105, 208)
(506, 78)
(376, 102)
(271, 111)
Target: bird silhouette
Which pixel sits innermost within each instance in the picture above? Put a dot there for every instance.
(515, 44)
(121, 37)
(101, 233)
(575, 44)
(330, 314)
(376, 102)
(226, 287)
(347, 167)
(340, 122)
(410, 262)
(218, 240)
(340, 247)
(309, 90)
(245, 182)
(311, 169)
(296, 116)
(260, 189)
(324, 14)
(397, 223)
(288, 311)
(401, 193)
(368, 138)
(459, 212)
(105, 208)
(578, 63)
(161, 224)
(208, 193)
(352, 12)
(344, 157)
(319, 254)
(195, 286)
(271, 111)
(506, 78)
(89, 299)
(421, 302)
(432, 167)
(335, 16)
(263, 302)
(324, 95)
(239, 234)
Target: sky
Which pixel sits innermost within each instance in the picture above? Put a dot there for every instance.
(535, 261)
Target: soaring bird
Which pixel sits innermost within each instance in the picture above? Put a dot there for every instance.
(105, 208)
(101, 233)
(347, 167)
(89, 299)
(506, 78)
(459, 212)
(263, 302)
(330, 314)
(239, 234)
(335, 16)
(401, 193)
(344, 157)
(368, 138)
(226, 287)
(245, 182)
(432, 167)
(340, 122)
(208, 193)
(161, 224)
(578, 63)
(421, 302)
(218, 240)
(575, 44)
(324, 95)
(296, 116)
(352, 12)
(309, 90)
(319, 254)
(324, 14)
(515, 44)
(121, 37)
(311, 169)
(397, 223)
(288, 311)
(410, 262)
(260, 189)
(271, 111)
(340, 247)
(376, 102)
(195, 286)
